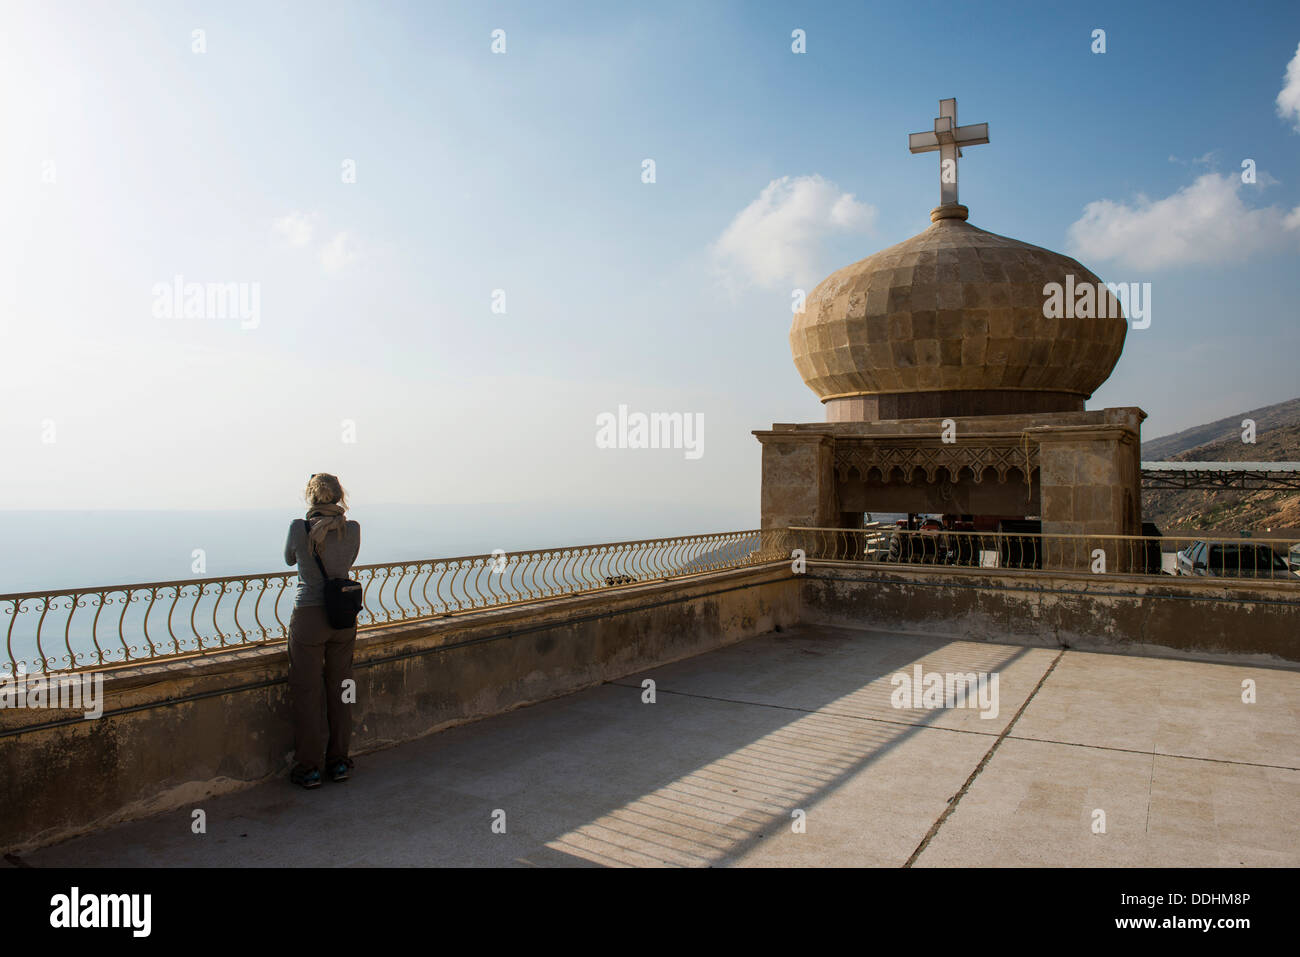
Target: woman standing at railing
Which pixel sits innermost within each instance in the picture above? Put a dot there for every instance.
(320, 655)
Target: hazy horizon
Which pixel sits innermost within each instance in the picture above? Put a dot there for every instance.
(124, 546)
(459, 265)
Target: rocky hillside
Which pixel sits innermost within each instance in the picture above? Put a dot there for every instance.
(1277, 439)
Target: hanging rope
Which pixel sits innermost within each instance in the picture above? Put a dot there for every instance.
(1029, 485)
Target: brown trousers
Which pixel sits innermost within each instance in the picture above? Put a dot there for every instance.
(320, 661)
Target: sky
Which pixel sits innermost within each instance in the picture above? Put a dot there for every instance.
(454, 265)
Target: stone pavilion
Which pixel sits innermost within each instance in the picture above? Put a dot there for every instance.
(948, 388)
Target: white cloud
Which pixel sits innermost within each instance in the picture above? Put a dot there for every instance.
(778, 237)
(298, 230)
(338, 252)
(1288, 100)
(1205, 222)
(295, 228)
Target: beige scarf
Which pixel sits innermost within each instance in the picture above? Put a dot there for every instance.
(330, 520)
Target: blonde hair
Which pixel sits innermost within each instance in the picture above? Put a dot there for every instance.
(325, 489)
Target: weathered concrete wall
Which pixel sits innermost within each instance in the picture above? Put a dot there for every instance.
(175, 732)
(1111, 613)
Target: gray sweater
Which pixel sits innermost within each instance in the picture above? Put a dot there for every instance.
(337, 555)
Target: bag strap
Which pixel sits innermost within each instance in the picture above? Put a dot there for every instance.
(311, 548)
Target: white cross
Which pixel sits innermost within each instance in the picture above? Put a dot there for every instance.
(948, 138)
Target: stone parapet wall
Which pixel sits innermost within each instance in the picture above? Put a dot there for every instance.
(174, 732)
(1119, 613)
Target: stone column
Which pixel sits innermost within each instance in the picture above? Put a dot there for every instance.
(1091, 486)
(798, 486)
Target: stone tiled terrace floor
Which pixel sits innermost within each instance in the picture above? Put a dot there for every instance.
(710, 774)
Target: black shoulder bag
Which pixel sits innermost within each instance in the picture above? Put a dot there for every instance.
(343, 596)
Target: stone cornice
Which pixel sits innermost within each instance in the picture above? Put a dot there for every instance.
(1069, 433)
(789, 435)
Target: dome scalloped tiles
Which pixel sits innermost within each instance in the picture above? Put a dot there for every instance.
(953, 308)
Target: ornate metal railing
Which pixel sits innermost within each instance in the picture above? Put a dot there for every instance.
(80, 628)
(1209, 557)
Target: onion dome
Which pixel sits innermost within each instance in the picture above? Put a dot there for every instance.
(955, 321)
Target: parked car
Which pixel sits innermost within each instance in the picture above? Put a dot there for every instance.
(1232, 560)
(1183, 559)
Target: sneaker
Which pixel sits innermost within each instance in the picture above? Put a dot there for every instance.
(307, 778)
(340, 770)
